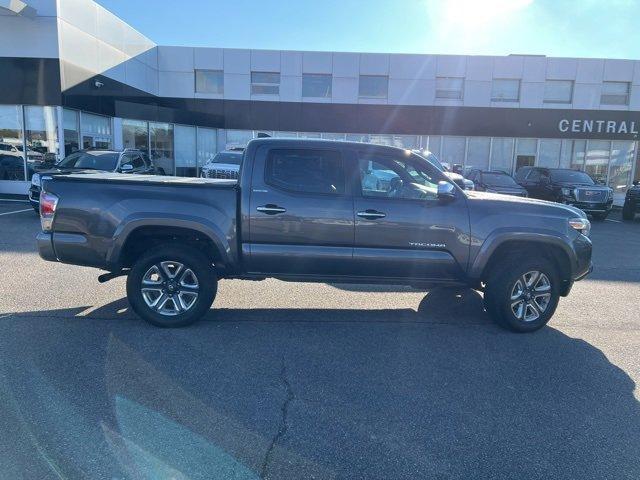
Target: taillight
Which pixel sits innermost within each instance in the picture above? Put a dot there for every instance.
(48, 204)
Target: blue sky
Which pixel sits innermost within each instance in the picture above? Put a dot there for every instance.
(581, 28)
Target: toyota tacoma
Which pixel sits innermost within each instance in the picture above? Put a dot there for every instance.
(313, 210)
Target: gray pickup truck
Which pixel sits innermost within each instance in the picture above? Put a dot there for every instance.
(320, 211)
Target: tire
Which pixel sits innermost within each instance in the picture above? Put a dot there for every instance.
(185, 272)
(628, 212)
(502, 285)
(600, 216)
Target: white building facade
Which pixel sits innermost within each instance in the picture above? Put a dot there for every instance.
(76, 76)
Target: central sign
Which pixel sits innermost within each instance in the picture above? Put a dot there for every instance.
(598, 126)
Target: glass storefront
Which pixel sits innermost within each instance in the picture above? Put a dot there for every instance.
(183, 149)
(71, 128)
(41, 135)
(161, 146)
(185, 146)
(12, 166)
(96, 131)
(135, 134)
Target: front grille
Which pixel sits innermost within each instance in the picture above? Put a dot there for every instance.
(226, 174)
(587, 195)
(634, 193)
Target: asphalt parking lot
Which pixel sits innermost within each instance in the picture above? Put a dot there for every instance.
(285, 380)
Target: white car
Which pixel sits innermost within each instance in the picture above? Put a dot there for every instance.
(224, 165)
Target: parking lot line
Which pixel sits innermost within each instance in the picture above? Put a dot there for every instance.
(16, 211)
(614, 221)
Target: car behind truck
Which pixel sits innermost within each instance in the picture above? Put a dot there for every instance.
(305, 210)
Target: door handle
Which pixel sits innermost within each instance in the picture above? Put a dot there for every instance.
(370, 214)
(271, 209)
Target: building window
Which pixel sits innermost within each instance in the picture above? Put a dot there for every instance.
(502, 155)
(96, 131)
(615, 93)
(373, 86)
(316, 85)
(478, 152)
(135, 134)
(449, 88)
(71, 127)
(597, 159)
(505, 90)
(209, 81)
(558, 91)
(11, 143)
(453, 149)
(207, 146)
(184, 138)
(41, 134)
(265, 83)
(161, 143)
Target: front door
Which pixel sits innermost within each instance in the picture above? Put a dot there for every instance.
(402, 230)
(301, 213)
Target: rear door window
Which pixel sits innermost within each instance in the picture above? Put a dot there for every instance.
(306, 171)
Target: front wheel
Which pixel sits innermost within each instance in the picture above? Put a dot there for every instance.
(171, 286)
(522, 295)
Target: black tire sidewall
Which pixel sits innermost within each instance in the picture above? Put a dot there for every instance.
(628, 213)
(498, 294)
(192, 259)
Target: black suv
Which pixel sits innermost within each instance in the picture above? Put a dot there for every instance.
(87, 161)
(495, 182)
(631, 201)
(571, 187)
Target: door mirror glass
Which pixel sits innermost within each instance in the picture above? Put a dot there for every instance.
(127, 167)
(446, 191)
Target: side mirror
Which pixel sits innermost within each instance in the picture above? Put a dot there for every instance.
(127, 167)
(446, 191)
(636, 182)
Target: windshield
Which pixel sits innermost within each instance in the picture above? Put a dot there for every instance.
(571, 176)
(498, 180)
(91, 161)
(229, 158)
(433, 160)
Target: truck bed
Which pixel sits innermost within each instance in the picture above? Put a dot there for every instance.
(98, 212)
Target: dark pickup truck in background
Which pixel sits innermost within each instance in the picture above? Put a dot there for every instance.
(571, 187)
(311, 210)
(631, 202)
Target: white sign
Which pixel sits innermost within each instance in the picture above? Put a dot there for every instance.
(598, 126)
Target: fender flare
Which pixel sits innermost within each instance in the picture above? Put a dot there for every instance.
(498, 238)
(130, 225)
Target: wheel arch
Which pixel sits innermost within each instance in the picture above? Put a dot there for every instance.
(552, 247)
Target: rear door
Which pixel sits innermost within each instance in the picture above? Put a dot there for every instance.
(402, 230)
(301, 212)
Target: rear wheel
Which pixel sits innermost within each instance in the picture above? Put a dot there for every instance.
(628, 212)
(522, 295)
(171, 286)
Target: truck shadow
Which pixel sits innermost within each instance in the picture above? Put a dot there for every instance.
(300, 393)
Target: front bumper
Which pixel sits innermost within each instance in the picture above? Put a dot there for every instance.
(592, 207)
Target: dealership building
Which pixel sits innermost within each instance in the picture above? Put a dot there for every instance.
(76, 76)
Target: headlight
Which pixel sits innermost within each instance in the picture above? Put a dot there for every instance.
(35, 180)
(581, 224)
(566, 192)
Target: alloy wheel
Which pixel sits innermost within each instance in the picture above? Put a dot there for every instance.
(530, 296)
(170, 288)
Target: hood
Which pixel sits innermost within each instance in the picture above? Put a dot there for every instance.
(513, 189)
(507, 201)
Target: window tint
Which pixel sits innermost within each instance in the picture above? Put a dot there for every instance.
(91, 160)
(388, 177)
(309, 171)
(209, 81)
(316, 85)
(505, 90)
(373, 86)
(536, 175)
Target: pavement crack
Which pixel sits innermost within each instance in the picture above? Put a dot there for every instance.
(284, 415)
